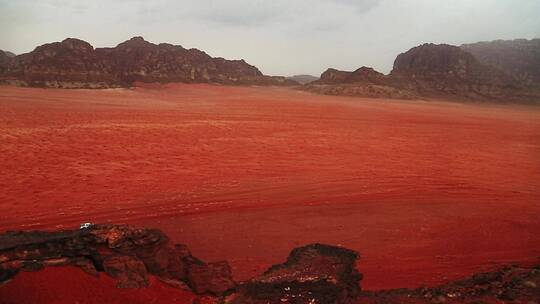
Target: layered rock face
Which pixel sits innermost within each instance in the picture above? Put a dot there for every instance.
(519, 58)
(74, 63)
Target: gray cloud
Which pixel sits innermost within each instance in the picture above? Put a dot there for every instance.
(279, 36)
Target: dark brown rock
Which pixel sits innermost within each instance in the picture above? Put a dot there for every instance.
(126, 253)
(211, 278)
(519, 284)
(129, 271)
(315, 273)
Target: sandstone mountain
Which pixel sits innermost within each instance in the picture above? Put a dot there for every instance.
(443, 69)
(431, 70)
(303, 79)
(519, 58)
(74, 63)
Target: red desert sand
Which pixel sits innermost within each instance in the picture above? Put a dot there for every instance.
(427, 192)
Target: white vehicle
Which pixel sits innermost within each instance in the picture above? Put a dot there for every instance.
(85, 226)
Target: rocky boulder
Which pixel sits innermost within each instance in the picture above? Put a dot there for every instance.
(314, 273)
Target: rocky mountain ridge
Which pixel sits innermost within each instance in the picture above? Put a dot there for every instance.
(433, 70)
(74, 63)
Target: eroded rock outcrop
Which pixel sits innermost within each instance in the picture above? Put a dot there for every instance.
(74, 63)
(434, 70)
(364, 82)
(312, 274)
(123, 252)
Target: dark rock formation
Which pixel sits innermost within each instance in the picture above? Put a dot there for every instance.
(364, 82)
(432, 69)
(362, 75)
(128, 254)
(333, 76)
(312, 274)
(519, 58)
(511, 284)
(74, 63)
(303, 79)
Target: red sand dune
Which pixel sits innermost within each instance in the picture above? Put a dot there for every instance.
(426, 191)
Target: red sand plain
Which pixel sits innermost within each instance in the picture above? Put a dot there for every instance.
(427, 191)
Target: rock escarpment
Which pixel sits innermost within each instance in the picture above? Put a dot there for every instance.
(519, 58)
(74, 63)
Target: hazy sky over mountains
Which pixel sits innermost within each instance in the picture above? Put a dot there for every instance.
(280, 37)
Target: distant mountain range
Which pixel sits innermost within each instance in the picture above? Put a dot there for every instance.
(74, 63)
(519, 58)
(499, 70)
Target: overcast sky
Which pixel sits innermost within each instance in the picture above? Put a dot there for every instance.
(280, 37)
